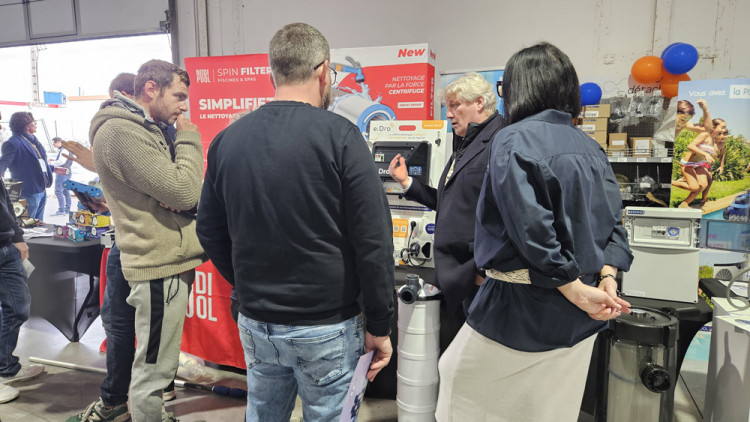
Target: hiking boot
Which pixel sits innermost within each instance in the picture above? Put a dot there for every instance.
(26, 373)
(97, 412)
(7, 393)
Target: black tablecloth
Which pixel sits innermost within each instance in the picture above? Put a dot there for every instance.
(65, 284)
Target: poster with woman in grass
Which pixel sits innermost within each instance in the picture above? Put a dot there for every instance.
(711, 168)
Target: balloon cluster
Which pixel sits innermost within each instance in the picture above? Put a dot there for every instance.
(671, 68)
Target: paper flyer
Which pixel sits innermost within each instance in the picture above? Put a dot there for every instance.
(356, 389)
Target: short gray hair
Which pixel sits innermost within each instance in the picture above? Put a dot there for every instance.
(294, 51)
(469, 87)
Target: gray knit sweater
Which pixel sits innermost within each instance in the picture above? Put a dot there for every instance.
(137, 175)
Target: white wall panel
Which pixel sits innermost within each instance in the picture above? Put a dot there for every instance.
(485, 33)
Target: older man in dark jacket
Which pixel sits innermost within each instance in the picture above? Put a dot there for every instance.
(470, 101)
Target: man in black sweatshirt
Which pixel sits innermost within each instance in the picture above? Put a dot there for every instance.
(15, 300)
(294, 215)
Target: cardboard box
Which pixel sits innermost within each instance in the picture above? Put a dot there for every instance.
(640, 146)
(600, 136)
(618, 141)
(594, 123)
(597, 110)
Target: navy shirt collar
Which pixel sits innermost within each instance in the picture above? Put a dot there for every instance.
(552, 116)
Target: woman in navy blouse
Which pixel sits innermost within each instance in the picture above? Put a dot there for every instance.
(549, 235)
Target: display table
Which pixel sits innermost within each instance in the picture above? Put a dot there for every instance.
(64, 286)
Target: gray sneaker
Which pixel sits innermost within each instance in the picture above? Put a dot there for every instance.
(168, 417)
(7, 393)
(26, 373)
(97, 412)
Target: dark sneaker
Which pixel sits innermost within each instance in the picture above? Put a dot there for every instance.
(26, 373)
(169, 394)
(7, 393)
(97, 412)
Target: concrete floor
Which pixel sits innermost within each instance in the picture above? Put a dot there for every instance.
(61, 393)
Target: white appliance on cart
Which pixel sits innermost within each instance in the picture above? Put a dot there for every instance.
(665, 247)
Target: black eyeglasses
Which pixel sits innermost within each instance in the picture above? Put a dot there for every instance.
(333, 79)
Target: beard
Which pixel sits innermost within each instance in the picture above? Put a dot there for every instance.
(160, 113)
(327, 98)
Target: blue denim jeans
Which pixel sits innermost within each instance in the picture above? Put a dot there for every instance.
(15, 304)
(315, 361)
(35, 204)
(118, 318)
(62, 194)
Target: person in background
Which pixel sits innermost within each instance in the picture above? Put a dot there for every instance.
(61, 167)
(471, 108)
(686, 111)
(696, 163)
(15, 300)
(300, 254)
(152, 187)
(26, 158)
(122, 83)
(550, 236)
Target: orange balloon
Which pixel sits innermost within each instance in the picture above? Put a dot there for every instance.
(670, 83)
(647, 69)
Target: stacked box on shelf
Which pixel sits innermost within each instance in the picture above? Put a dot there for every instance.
(640, 146)
(618, 145)
(594, 122)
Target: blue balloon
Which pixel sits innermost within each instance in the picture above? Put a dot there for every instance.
(680, 58)
(590, 94)
(663, 53)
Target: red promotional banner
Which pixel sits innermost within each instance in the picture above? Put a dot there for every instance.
(222, 87)
(210, 332)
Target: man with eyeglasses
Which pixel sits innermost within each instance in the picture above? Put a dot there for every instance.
(293, 214)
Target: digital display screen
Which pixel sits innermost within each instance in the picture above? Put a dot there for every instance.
(415, 170)
(726, 235)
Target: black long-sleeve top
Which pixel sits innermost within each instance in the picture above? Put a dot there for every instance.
(294, 214)
(10, 231)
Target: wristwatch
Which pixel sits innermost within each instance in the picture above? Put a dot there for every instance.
(603, 276)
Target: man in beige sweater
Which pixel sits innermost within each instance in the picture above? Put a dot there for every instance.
(152, 187)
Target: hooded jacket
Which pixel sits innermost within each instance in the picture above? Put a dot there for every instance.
(138, 174)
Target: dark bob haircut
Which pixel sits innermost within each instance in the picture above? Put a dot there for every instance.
(540, 78)
(19, 121)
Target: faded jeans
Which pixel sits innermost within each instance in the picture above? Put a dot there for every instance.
(315, 361)
(15, 304)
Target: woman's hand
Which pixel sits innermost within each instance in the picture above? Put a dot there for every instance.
(599, 303)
